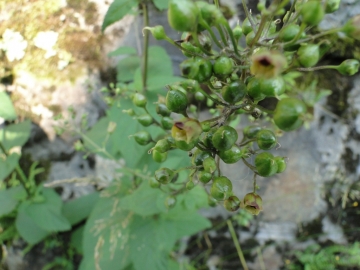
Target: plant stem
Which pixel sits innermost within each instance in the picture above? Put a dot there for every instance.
(23, 180)
(217, 3)
(146, 47)
(317, 68)
(237, 245)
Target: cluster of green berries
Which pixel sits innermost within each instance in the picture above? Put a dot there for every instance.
(233, 80)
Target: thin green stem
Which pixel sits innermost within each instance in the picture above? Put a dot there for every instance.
(317, 68)
(237, 245)
(260, 30)
(248, 15)
(233, 41)
(217, 3)
(211, 32)
(23, 179)
(222, 35)
(146, 46)
(253, 168)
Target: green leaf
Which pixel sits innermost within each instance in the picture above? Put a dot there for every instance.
(47, 214)
(161, 4)
(126, 68)
(9, 199)
(117, 10)
(8, 164)
(7, 110)
(145, 201)
(15, 135)
(123, 50)
(27, 228)
(77, 238)
(107, 233)
(80, 208)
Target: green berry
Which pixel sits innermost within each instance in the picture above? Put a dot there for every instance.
(183, 15)
(162, 146)
(309, 55)
(176, 101)
(266, 139)
(251, 131)
(162, 110)
(224, 138)
(288, 114)
(139, 100)
(246, 27)
(167, 123)
(234, 92)
(142, 137)
(349, 67)
(233, 155)
(159, 157)
(281, 164)
(145, 119)
(209, 164)
(221, 188)
(223, 66)
(232, 204)
(312, 12)
(265, 164)
(164, 175)
(204, 177)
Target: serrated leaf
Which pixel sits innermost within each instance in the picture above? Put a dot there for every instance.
(117, 10)
(126, 68)
(123, 50)
(15, 134)
(8, 164)
(161, 4)
(7, 110)
(9, 199)
(79, 209)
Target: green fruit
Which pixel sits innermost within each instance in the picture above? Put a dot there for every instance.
(191, 86)
(199, 96)
(232, 204)
(197, 68)
(289, 32)
(183, 15)
(237, 32)
(224, 138)
(190, 185)
(249, 38)
(234, 92)
(142, 137)
(176, 101)
(198, 157)
(158, 32)
(145, 119)
(272, 87)
(139, 100)
(164, 175)
(204, 177)
(349, 67)
(223, 66)
(251, 131)
(162, 110)
(221, 188)
(308, 55)
(265, 164)
(246, 27)
(162, 146)
(167, 123)
(182, 145)
(254, 89)
(312, 12)
(209, 13)
(206, 138)
(332, 6)
(159, 157)
(190, 49)
(281, 164)
(154, 183)
(288, 114)
(233, 155)
(212, 202)
(266, 139)
(209, 164)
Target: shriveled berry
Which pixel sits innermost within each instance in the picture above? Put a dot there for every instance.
(232, 203)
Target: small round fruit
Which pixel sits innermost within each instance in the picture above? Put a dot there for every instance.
(233, 155)
(209, 164)
(246, 27)
(145, 119)
(249, 38)
(183, 15)
(308, 55)
(224, 138)
(164, 175)
(265, 164)
(139, 100)
(312, 12)
(232, 204)
(176, 101)
(266, 139)
(142, 137)
(223, 66)
(254, 89)
(204, 177)
(251, 131)
(162, 146)
(272, 87)
(221, 188)
(154, 183)
(288, 114)
(190, 185)
(349, 67)
(162, 110)
(234, 92)
(281, 164)
(159, 157)
(199, 156)
(289, 32)
(237, 32)
(167, 123)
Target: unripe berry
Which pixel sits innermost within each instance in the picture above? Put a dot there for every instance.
(348, 67)
(164, 175)
(158, 32)
(139, 100)
(309, 55)
(232, 203)
(312, 12)
(142, 137)
(145, 119)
